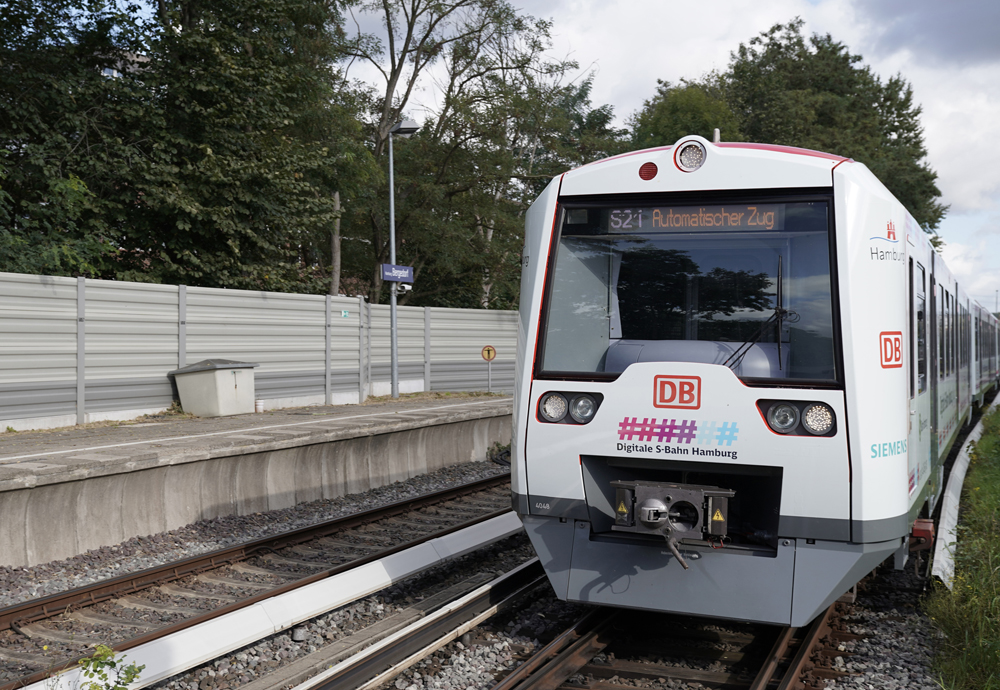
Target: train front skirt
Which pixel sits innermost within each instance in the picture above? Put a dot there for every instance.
(788, 588)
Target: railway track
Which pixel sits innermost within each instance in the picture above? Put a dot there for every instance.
(43, 636)
(609, 649)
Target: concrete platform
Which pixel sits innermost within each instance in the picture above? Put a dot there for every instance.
(63, 492)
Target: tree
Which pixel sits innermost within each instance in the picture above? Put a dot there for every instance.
(232, 195)
(816, 94)
(679, 110)
(464, 180)
(62, 137)
(201, 146)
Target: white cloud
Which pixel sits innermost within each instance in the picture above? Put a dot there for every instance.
(947, 51)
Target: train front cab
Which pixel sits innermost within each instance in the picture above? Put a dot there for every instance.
(680, 428)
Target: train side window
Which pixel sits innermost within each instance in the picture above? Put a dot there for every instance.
(940, 333)
(921, 336)
(910, 320)
(948, 328)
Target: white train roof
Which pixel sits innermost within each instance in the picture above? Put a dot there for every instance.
(727, 165)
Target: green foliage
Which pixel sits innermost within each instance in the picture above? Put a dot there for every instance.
(204, 145)
(687, 108)
(969, 615)
(815, 94)
(201, 146)
(59, 112)
(506, 125)
(110, 673)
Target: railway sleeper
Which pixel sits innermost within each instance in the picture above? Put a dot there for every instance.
(275, 559)
(26, 658)
(212, 578)
(130, 602)
(43, 632)
(341, 545)
(178, 591)
(248, 569)
(632, 670)
(88, 616)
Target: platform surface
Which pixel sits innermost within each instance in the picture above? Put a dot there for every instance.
(36, 458)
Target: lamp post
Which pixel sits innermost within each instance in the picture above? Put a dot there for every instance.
(403, 129)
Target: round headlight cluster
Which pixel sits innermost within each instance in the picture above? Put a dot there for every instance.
(553, 407)
(817, 418)
(690, 156)
(798, 418)
(582, 409)
(783, 417)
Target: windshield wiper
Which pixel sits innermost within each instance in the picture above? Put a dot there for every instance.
(780, 315)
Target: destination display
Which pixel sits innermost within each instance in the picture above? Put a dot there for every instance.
(725, 217)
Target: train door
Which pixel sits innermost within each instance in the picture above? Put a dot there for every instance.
(933, 375)
(919, 445)
(977, 372)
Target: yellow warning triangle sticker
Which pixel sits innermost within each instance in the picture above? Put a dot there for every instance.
(622, 508)
(718, 516)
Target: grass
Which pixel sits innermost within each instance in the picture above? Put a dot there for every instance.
(969, 615)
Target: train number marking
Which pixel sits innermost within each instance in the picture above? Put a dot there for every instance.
(891, 349)
(678, 392)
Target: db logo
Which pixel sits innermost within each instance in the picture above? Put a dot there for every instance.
(891, 349)
(677, 391)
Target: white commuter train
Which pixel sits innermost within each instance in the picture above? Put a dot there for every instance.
(740, 369)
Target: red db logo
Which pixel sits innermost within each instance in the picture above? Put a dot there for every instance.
(677, 392)
(891, 349)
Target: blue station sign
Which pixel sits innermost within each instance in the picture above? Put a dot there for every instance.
(397, 274)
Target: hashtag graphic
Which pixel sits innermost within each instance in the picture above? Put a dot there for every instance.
(686, 431)
(727, 433)
(629, 428)
(706, 433)
(666, 430)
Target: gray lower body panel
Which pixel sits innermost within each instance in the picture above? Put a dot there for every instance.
(790, 586)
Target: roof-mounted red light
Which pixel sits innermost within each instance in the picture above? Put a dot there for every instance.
(648, 171)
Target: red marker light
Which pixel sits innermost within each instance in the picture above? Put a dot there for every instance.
(648, 171)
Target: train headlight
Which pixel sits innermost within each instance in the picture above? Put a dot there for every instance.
(690, 156)
(553, 407)
(582, 409)
(817, 418)
(783, 417)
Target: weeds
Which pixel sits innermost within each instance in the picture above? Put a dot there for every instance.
(110, 673)
(969, 615)
(499, 453)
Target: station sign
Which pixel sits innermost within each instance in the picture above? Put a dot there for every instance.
(397, 274)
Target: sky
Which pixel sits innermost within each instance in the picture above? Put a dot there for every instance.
(948, 50)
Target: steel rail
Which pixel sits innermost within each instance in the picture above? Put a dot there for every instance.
(410, 643)
(14, 616)
(778, 654)
(564, 656)
(817, 629)
(573, 650)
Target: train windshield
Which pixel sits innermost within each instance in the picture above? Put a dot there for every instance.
(744, 285)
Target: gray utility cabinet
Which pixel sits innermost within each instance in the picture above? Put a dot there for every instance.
(216, 387)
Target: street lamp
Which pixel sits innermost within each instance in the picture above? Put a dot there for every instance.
(403, 129)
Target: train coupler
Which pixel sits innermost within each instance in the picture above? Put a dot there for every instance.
(673, 511)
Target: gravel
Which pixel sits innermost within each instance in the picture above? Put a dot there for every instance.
(899, 642)
(476, 660)
(895, 654)
(136, 554)
(256, 660)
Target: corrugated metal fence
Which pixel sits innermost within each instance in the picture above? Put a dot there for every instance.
(75, 350)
